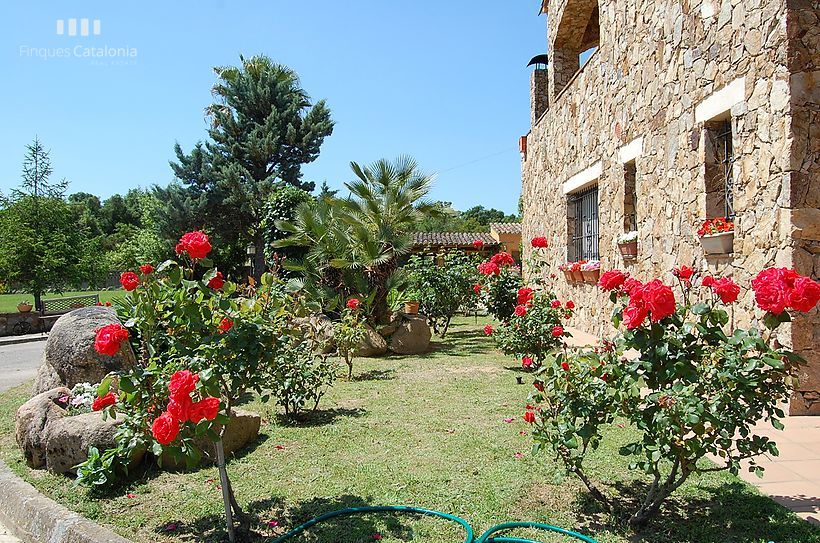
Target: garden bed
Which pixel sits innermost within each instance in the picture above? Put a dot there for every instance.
(427, 431)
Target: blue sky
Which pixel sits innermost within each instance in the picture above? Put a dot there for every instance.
(445, 82)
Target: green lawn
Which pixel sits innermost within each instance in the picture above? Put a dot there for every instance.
(428, 431)
(8, 302)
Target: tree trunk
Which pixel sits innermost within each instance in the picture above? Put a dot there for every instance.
(259, 266)
(38, 302)
(226, 490)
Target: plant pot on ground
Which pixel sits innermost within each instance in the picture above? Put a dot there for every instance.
(24, 307)
(411, 307)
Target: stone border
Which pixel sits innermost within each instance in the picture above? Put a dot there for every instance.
(35, 518)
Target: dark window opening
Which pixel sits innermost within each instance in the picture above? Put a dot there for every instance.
(719, 158)
(583, 225)
(630, 197)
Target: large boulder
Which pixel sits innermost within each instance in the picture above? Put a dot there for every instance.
(33, 419)
(373, 344)
(67, 439)
(412, 335)
(69, 357)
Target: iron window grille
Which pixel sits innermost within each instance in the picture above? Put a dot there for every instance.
(726, 158)
(584, 206)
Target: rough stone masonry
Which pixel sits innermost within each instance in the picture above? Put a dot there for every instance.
(679, 99)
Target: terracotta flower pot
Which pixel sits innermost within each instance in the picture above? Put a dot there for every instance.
(411, 308)
(24, 308)
(568, 276)
(578, 276)
(718, 244)
(629, 250)
(591, 276)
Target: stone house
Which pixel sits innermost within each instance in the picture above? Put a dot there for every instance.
(652, 115)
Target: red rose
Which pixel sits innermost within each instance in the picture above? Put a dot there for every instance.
(772, 287)
(529, 417)
(520, 310)
(478, 244)
(634, 315)
(129, 280)
(489, 268)
(165, 429)
(659, 300)
(182, 383)
(502, 259)
(526, 362)
(225, 324)
(353, 303)
(524, 296)
(612, 279)
(570, 304)
(179, 407)
(539, 242)
(194, 244)
(565, 366)
(539, 386)
(477, 288)
(805, 294)
(217, 282)
(684, 273)
(488, 330)
(107, 304)
(726, 289)
(605, 377)
(109, 338)
(557, 331)
(633, 287)
(707, 281)
(207, 409)
(555, 304)
(147, 269)
(105, 401)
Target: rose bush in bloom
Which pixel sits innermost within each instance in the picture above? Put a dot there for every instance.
(695, 388)
(129, 280)
(101, 403)
(534, 330)
(539, 242)
(353, 303)
(349, 333)
(777, 289)
(217, 282)
(478, 244)
(501, 286)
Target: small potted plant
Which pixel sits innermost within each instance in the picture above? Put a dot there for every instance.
(717, 236)
(411, 301)
(628, 244)
(575, 267)
(565, 267)
(25, 306)
(591, 271)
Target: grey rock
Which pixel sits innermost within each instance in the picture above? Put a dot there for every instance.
(69, 353)
(412, 335)
(242, 429)
(67, 439)
(32, 420)
(372, 345)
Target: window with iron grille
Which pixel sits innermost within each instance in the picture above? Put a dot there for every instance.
(583, 225)
(720, 157)
(630, 197)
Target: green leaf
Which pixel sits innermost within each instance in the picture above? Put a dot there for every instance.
(105, 386)
(700, 309)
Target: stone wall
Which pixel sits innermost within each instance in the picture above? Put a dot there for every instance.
(664, 71)
(9, 320)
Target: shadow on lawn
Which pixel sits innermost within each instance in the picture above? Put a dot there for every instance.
(262, 513)
(460, 343)
(729, 513)
(375, 375)
(320, 417)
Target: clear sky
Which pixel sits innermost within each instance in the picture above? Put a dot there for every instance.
(443, 81)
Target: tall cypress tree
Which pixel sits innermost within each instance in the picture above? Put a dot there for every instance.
(262, 129)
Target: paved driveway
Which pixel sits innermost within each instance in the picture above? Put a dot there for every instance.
(19, 363)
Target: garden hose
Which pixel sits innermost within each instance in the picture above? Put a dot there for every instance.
(486, 537)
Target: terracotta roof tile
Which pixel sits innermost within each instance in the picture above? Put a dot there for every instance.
(451, 239)
(506, 227)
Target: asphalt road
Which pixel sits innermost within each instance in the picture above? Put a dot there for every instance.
(19, 363)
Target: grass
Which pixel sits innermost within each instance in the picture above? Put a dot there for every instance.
(8, 302)
(426, 431)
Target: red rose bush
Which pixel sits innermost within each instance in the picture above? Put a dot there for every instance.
(691, 385)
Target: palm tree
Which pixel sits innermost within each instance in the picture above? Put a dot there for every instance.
(364, 236)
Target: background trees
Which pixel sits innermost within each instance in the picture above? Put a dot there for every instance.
(262, 129)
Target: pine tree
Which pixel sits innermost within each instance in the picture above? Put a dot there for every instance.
(263, 128)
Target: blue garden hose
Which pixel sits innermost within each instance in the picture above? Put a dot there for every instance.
(486, 537)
